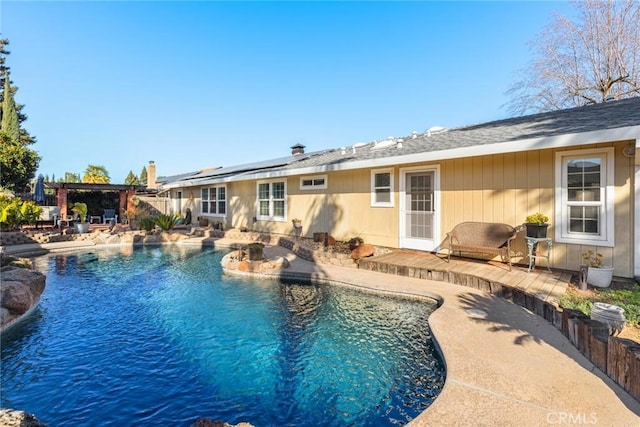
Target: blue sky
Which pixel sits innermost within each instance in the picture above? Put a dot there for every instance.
(192, 85)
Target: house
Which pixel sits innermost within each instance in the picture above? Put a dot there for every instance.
(580, 166)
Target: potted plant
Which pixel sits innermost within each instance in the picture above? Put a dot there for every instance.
(355, 242)
(80, 209)
(537, 224)
(255, 251)
(598, 274)
(297, 223)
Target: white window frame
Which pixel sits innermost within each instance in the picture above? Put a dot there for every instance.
(313, 185)
(374, 202)
(271, 200)
(216, 211)
(606, 204)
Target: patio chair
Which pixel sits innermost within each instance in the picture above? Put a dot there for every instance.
(109, 215)
(68, 220)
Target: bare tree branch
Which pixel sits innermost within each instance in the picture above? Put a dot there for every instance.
(590, 60)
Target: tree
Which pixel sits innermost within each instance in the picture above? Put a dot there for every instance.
(18, 163)
(70, 177)
(142, 180)
(96, 175)
(9, 125)
(591, 60)
(131, 179)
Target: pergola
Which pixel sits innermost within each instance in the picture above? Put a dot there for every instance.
(126, 193)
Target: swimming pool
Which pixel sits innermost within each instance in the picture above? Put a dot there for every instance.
(159, 336)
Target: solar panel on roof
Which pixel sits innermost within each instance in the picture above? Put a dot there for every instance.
(264, 164)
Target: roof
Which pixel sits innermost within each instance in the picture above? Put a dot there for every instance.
(95, 186)
(611, 121)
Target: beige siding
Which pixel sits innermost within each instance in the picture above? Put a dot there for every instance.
(508, 187)
(496, 188)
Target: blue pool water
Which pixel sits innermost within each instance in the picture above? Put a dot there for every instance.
(159, 336)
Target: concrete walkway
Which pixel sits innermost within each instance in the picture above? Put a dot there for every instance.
(510, 368)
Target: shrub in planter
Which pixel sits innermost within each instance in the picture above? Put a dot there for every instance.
(255, 251)
(537, 225)
(355, 242)
(80, 209)
(598, 274)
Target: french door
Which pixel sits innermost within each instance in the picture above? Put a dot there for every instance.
(419, 208)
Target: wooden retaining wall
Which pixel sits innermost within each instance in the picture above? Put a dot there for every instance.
(619, 358)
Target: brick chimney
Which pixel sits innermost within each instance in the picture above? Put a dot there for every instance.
(297, 149)
(151, 175)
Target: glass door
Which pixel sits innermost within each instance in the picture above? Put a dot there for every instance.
(418, 213)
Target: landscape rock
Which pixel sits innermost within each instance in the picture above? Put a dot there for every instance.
(20, 290)
(14, 418)
(15, 297)
(362, 251)
(208, 422)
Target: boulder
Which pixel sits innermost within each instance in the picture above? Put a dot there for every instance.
(16, 297)
(362, 251)
(13, 418)
(208, 422)
(113, 239)
(34, 280)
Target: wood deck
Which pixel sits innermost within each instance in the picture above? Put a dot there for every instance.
(491, 276)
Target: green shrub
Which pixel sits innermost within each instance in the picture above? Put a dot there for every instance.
(166, 222)
(30, 211)
(13, 211)
(147, 223)
(80, 209)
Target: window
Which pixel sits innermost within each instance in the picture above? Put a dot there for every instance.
(214, 200)
(272, 200)
(313, 182)
(381, 187)
(585, 199)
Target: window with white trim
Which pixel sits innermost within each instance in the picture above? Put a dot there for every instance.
(382, 187)
(313, 182)
(214, 200)
(585, 197)
(272, 201)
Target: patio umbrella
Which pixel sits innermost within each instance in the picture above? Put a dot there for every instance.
(38, 192)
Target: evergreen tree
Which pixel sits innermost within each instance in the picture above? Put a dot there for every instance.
(96, 175)
(53, 178)
(9, 124)
(131, 179)
(143, 176)
(70, 177)
(46, 178)
(18, 163)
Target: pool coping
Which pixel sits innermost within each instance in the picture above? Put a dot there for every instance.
(512, 367)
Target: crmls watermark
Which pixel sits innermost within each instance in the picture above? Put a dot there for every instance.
(571, 418)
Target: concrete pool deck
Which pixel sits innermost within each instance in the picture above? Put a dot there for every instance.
(509, 368)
